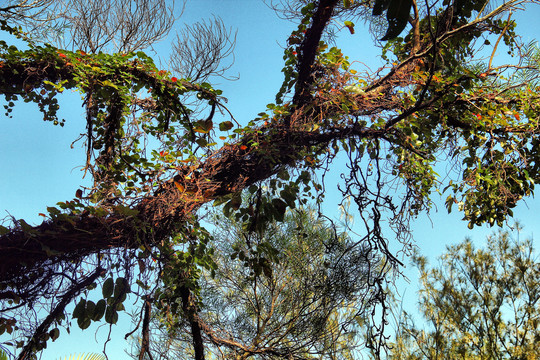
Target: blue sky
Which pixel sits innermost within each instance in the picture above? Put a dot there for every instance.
(39, 167)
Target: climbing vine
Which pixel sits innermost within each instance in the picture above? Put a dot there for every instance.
(157, 156)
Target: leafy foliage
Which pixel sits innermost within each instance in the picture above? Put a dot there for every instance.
(397, 14)
(478, 304)
(297, 287)
(157, 154)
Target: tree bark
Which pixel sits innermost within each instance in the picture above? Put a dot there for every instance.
(190, 312)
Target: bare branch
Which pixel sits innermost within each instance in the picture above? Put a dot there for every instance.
(58, 310)
(35, 16)
(119, 25)
(200, 49)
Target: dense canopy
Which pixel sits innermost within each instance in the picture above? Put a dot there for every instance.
(157, 153)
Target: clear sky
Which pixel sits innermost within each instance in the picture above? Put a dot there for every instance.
(39, 167)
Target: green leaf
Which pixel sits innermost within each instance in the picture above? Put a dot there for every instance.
(79, 311)
(84, 323)
(54, 334)
(222, 200)
(236, 201)
(111, 316)
(225, 126)
(90, 307)
(126, 211)
(397, 16)
(203, 126)
(201, 142)
(99, 310)
(108, 288)
(53, 211)
(24, 225)
(121, 287)
(280, 207)
(109, 84)
(142, 55)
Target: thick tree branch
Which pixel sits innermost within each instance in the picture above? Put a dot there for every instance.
(190, 312)
(308, 50)
(229, 170)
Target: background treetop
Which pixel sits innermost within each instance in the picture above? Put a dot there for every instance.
(478, 303)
